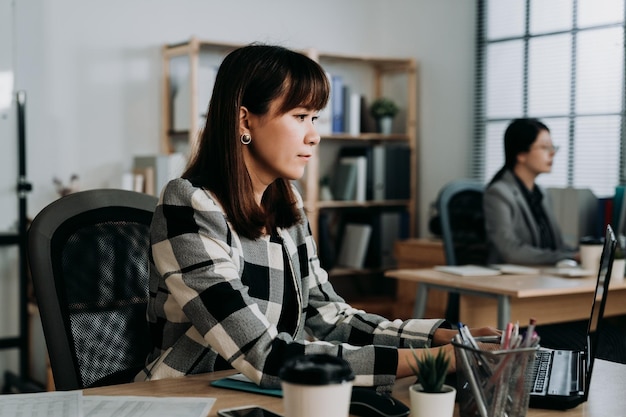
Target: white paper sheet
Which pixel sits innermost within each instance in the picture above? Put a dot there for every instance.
(74, 404)
(134, 406)
(42, 404)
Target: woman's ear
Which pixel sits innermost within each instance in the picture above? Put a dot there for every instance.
(244, 120)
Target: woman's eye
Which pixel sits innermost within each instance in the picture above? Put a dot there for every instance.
(314, 119)
(302, 117)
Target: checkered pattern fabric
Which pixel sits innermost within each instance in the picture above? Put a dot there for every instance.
(216, 297)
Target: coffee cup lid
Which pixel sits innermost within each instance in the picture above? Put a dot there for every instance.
(316, 369)
(591, 240)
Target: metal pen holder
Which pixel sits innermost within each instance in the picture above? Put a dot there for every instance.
(493, 383)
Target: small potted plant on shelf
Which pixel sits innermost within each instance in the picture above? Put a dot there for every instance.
(384, 110)
(430, 396)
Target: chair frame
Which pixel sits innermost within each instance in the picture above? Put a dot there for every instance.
(41, 236)
(447, 192)
(445, 195)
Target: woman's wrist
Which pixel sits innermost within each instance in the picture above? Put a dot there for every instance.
(443, 336)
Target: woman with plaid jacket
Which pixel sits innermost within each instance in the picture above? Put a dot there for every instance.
(235, 281)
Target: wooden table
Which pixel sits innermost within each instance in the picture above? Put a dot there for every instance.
(418, 253)
(497, 300)
(606, 396)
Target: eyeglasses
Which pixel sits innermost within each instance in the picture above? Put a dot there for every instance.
(548, 148)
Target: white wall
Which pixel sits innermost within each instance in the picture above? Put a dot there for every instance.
(92, 74)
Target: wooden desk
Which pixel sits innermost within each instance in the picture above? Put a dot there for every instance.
(496, 300)
(417, 254)
(606, 396)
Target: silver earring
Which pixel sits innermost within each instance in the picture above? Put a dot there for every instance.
(245, 139)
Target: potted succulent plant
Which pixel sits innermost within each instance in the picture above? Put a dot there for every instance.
(384, 110)
(430, 396)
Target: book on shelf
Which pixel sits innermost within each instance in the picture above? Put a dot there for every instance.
(354, 243)
(344, 180)
(338, 103)
(387, 169)
(391, 171)
(605, 215)
(351, 111)
(364, 152)
(324, 123)
(136, 180)
(157, 170)
(360, 193)
(388, 226)
(367, 122)
(350, 179)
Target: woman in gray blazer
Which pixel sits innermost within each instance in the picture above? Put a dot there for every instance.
(520, 223)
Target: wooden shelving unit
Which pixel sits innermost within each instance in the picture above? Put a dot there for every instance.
(371, 77)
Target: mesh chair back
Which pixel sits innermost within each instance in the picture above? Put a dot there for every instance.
(460, 206)
(89, 260)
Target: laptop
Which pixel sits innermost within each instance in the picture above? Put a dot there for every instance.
(562, 377)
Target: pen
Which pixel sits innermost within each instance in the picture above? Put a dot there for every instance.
(467, 336)
(530, 333)
(474, 385)
(460, 328)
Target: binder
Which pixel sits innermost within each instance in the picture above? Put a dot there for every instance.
(391, 171)
(354, 245)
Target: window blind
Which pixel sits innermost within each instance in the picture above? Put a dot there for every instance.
(561, 61)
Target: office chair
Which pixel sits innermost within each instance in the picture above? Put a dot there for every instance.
(460, 207)
(88, 254)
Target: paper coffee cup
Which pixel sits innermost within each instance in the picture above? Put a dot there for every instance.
(316, 385)
(590, 257)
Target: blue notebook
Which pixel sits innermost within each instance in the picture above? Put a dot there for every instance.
(242, 383)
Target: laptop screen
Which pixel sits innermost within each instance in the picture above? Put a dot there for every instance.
(599, 301)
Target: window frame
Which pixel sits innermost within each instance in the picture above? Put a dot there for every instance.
(478, 165)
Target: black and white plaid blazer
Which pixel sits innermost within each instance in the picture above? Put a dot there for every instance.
(216, 297)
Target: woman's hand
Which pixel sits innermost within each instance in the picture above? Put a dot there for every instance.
(441, 341)
(445, 336)
(485, 331)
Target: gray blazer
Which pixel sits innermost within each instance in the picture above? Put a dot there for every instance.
(512, 232)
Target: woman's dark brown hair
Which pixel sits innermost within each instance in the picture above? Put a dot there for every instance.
(253, 76)
(518, 138)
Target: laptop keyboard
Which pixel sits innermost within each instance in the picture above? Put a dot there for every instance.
(540, 370)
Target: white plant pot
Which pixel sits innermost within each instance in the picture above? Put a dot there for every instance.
(385, 125)
(425, 404)
(619, 268)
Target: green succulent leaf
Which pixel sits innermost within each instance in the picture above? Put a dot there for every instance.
(430, 370)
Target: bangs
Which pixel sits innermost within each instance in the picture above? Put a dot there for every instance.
(306, 86)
